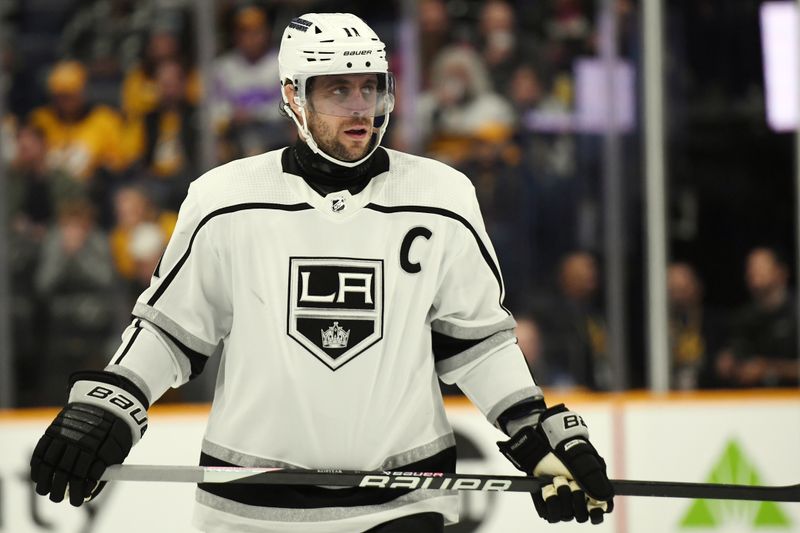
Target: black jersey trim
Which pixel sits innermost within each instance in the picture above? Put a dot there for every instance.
(445, 346)
(137, 329)
(455, 216)
(312, 497)
(222, 211)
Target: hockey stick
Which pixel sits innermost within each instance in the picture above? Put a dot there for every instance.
(434, 480)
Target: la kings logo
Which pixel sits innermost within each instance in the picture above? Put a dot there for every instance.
(335, 306)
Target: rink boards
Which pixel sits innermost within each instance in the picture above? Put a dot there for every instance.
(704, 437)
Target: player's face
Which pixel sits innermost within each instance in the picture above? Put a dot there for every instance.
(341, 111)
(342, 138)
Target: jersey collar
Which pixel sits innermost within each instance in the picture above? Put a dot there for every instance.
(339, 204)
(325, 177)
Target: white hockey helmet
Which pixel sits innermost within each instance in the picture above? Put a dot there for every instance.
(319, 44)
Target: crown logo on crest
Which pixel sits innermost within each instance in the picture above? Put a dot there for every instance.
(335, 336)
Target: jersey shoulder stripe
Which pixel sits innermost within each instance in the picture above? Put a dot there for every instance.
(455, 216)
(418, 184)
(222, 211)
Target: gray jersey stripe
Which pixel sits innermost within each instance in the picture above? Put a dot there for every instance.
(468, 356)
(170, 326)
(242, 459)
(421, 452)
(457, 332)
(403, 458)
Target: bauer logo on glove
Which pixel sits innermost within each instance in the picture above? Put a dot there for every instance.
(105, 416)
(558, 447)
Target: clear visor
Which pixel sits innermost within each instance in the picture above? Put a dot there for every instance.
(351, 95)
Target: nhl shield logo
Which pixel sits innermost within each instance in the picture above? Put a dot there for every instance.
(335, 306)
(338, 204)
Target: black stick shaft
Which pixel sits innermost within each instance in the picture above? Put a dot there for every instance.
(435, 481)
(711, 491)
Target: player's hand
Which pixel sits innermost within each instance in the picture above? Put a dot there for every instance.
(558, 447)
(97, 428)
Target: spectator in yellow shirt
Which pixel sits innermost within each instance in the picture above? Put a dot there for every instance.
(134, 207)
(163, 141)
(82, 139)
(140, 91)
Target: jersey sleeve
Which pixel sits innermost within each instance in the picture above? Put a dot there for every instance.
(473, 338)
(180, 320)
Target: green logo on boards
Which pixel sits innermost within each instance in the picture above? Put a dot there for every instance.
(734, 467)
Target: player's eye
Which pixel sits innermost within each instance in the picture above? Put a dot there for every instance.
(341, 91)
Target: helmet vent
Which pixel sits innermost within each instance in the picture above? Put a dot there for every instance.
(299, 24)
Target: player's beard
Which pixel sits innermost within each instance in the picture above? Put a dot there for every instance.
(328, 141)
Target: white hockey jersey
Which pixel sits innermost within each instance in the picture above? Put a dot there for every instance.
(334, 316)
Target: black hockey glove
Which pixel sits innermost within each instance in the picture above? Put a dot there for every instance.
(105, 416)
(558, 446)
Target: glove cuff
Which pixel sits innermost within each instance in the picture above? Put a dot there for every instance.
(113, 397)
(523, 413)
(560, 425)
(525, 449)
(112, 378)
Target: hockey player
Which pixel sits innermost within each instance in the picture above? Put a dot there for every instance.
(338, 281)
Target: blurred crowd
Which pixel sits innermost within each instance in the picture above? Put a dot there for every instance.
(754, 345)
(102, 138)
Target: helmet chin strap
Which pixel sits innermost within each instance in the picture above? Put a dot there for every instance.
(306, 133)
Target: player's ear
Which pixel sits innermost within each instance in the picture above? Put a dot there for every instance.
(290, 92)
